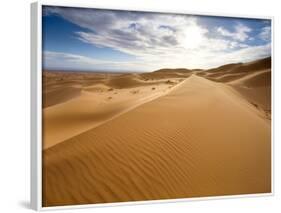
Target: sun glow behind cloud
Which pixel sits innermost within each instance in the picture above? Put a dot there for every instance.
(193, 37)
(156, 40)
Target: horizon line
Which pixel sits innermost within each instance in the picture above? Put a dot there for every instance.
(127, 71)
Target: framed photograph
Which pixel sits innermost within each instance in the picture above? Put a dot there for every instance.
(134, 106)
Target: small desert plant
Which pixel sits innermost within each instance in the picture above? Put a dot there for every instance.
(135, 91)
(169, 82)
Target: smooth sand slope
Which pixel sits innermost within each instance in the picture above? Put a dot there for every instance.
(74, 105)
(199, 138)
(252, 80)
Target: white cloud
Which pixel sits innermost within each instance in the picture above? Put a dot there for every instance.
(62, 60)
(65, 61)
(240, 32)
(265, 33)
(156, 41)
(247, 54)
(58, 57)
(194, 59)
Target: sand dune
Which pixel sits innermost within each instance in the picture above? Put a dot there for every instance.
(60, 95)
(189, 138)
(230, 72)
(256, 88)
(166, 74)
(69, 112)
(252, 80)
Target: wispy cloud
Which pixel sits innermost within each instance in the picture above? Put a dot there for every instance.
(67, 61)
(60, 60)
(157, 40)
(240, 33)
(70, 61)
(265, 33)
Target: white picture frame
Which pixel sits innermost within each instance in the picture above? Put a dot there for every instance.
(36, 107)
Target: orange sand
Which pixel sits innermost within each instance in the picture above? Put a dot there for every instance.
(161, 135)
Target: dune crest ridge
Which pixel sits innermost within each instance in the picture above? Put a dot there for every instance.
(99, 104)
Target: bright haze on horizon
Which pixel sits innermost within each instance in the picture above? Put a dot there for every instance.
(108, 40)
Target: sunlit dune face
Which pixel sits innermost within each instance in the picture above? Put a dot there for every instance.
(193, 37)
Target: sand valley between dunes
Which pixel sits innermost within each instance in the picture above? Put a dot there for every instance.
(172, 133)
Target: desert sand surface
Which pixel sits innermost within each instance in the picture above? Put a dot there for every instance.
(172, 133)
(73, 104)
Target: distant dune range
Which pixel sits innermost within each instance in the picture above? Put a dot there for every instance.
(172, 133)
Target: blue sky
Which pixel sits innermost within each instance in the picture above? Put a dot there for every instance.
(108, 40)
